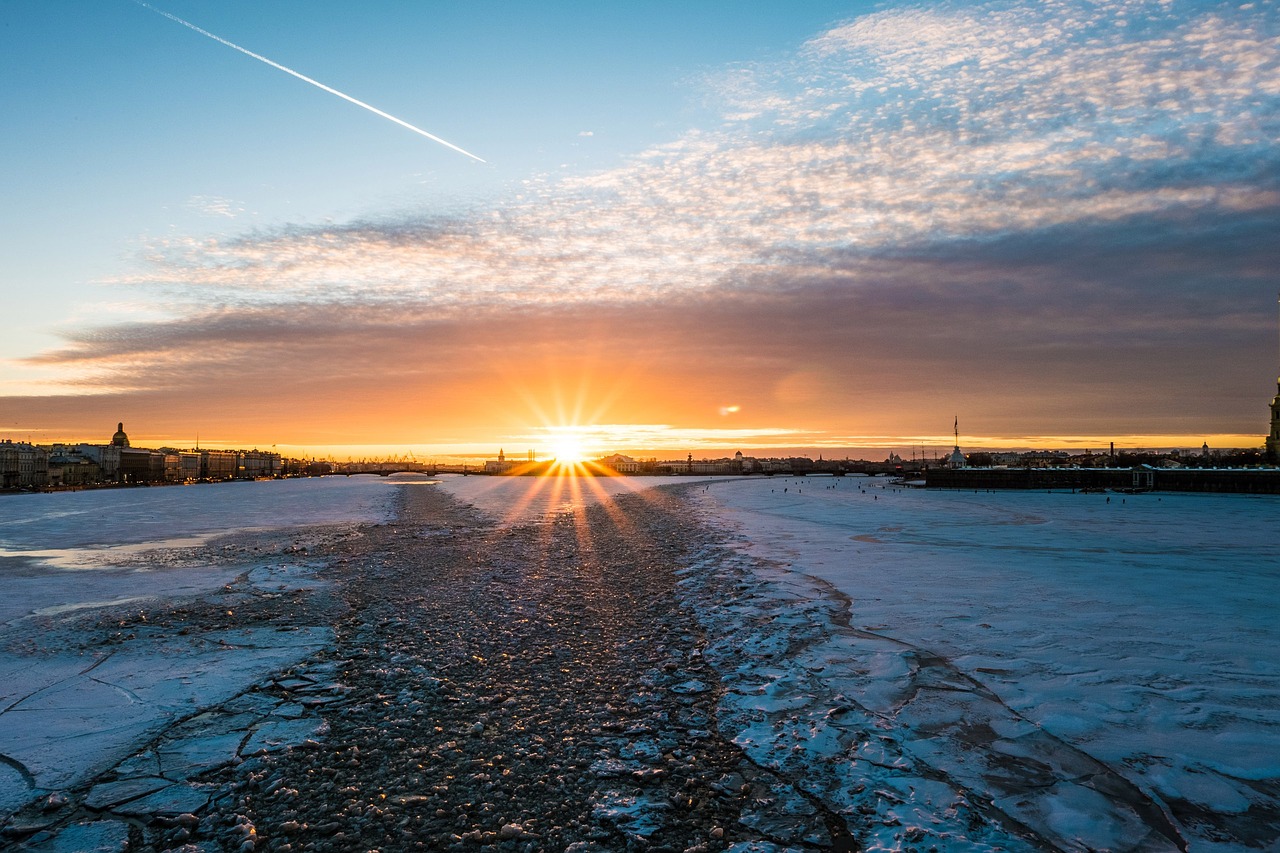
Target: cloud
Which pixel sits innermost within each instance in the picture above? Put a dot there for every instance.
(1061, 317)
(1077, 198)
(209, 205)
(905, 127)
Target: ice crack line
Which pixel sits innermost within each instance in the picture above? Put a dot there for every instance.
(97, 663)
(20, 768)
(128, 694)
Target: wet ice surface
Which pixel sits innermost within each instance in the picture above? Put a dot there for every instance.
(75, 696)
(514, 500)
(1088, 667)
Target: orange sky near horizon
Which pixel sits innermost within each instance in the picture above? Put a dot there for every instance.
(803, 371)
(918, 212)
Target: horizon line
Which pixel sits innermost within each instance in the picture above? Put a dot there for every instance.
(831, 449)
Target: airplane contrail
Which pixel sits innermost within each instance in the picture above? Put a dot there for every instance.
(306, 79)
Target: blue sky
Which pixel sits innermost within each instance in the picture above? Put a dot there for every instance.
(819, 225)
(123, 125)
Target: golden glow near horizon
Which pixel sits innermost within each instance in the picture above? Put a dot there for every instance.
(643, 445)
(568, 448)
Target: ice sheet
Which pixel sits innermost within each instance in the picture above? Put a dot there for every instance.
(106, 519)
(1140, 630)
(71, 707)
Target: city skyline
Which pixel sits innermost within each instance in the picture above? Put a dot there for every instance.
(592, 443)
(830, 228)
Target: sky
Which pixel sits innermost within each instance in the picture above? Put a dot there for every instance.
(831, 226)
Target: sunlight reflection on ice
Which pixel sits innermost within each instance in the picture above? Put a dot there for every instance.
(516, 500)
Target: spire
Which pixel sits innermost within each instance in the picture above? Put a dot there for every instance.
(1273, 437)
(956, 459)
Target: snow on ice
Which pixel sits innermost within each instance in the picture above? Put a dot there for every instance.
(1104, 674)
(71, 707)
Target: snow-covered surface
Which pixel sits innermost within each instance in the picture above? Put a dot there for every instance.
(99, 527)
(1137, 631)
(70, 708)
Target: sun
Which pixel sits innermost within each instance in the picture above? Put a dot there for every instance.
(569, 449)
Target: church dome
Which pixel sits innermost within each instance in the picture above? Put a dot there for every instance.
(120, 439)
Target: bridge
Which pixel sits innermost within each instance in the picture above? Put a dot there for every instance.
(385, 468)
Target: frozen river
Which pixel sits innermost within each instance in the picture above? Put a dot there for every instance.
(1139, 631)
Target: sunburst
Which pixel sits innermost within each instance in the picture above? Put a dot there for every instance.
(569, 448)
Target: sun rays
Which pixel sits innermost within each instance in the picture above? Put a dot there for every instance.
(569, 447)
(561, 488)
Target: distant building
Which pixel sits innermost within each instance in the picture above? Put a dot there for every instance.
(737, 464)
(621, 464)
(503, 465)
(746, 464)
(172, 466)
(181, 466)
(1273, 440)
(22, 465)
(139, 465)
(68, 467)
(957, 459)
(120, 439)
(219, 464)
(106, 456)
(258, 465)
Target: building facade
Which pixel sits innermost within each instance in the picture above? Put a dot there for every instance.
(258, 465)
(620, 463)
(219, 464)
(22, 465)
(502, 465)
(1273, 437)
